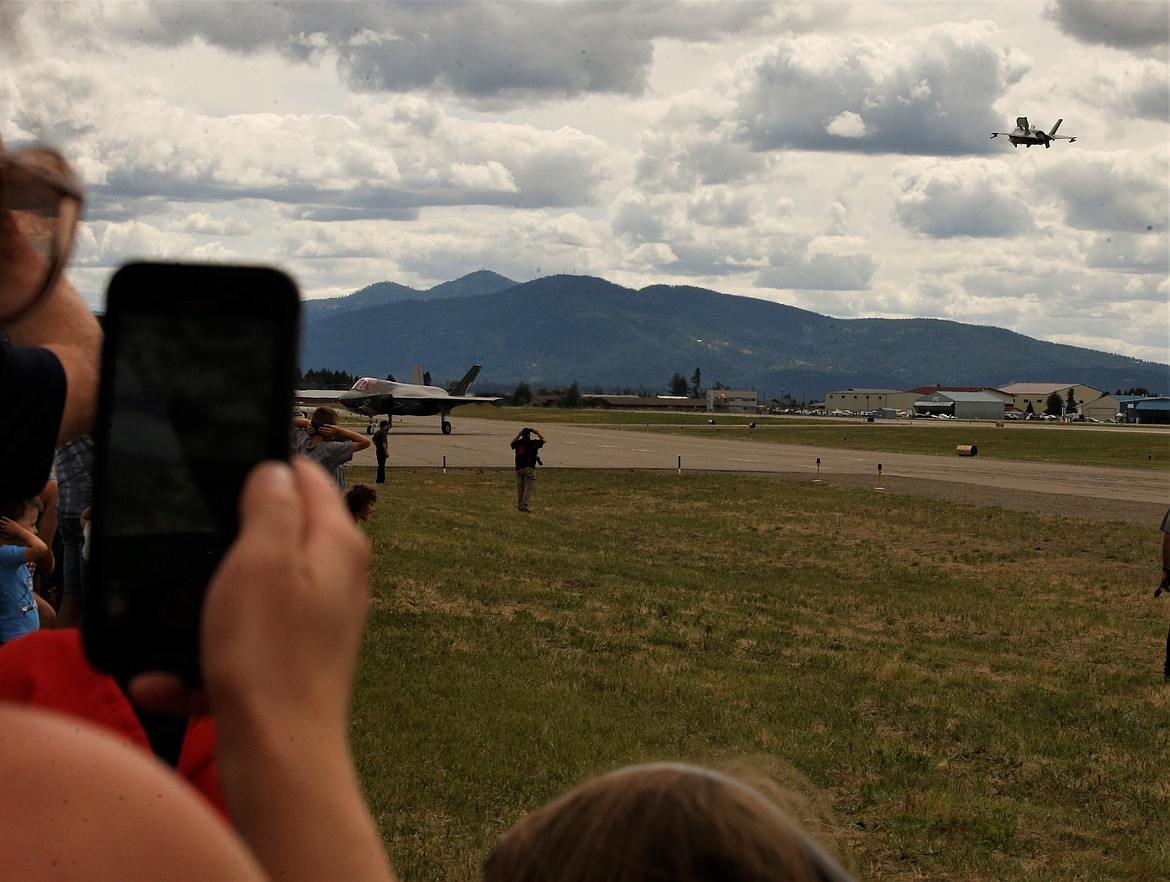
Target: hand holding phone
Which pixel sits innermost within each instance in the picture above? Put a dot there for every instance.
(196, 388)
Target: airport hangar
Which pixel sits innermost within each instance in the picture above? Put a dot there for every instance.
(961, 402)
(1018, 399)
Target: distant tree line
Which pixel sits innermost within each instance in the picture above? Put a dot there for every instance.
(1138, 390)
(572, 396)
(323, 378)
(568, 396)
(692, 389)
(522, 396)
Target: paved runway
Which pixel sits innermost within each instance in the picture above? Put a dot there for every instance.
(476, 443)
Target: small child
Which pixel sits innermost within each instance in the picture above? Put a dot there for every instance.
(361, 501)
(19, 606)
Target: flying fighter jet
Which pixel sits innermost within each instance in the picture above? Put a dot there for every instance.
(371, 397)
(1026, 135)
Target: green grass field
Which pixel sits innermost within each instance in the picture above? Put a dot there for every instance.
(975, 693)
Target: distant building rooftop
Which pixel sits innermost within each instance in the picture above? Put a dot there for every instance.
(1037, 388)
(926, 390)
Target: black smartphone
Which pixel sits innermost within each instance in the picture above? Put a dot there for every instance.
(196, 388)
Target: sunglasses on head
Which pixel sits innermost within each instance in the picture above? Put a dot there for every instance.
(40, 205)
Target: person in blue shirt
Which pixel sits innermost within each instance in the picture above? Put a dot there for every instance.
(19, 606)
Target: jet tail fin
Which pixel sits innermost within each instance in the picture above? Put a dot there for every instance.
(1052, 134)
(416, 375)
(465, 384)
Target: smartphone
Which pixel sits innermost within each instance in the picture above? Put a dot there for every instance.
(196, 388)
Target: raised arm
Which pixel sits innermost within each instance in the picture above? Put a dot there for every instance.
(333, 432)
(282, 627)
(18, 534)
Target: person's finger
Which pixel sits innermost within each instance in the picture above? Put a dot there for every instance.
(269, 485)
(260, 558)
(330, 538)
(336, 559)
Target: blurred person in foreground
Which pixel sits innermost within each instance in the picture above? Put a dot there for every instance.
(49, 338)
(279, 637)
(663, 822)
(281, 601)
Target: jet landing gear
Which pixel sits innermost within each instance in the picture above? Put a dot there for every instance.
(370, 424)
(446, 427)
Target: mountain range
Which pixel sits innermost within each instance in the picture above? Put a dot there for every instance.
(561, 329)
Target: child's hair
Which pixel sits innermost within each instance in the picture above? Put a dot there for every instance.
(324, 416)
(14, 509)
(661, 822)
(358, 497)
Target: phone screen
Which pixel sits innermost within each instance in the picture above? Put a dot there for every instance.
(196, 389)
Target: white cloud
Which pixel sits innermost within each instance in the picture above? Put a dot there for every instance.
(1133, 88)
(1120, 190)
(833, 156)
(1135, 25)
(847, 125)
(490, 53)
(1128, 252)
(922, 92)
(825, 266)
(970, 197)
(205, 223)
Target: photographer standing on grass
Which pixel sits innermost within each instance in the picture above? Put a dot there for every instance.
(527, 458)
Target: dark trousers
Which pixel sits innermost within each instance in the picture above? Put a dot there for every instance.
(525, 485)
(1166, 667)
(381, 478)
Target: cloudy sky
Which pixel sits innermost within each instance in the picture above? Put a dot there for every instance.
(831, 156)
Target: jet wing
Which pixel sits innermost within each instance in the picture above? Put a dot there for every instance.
(455, 400)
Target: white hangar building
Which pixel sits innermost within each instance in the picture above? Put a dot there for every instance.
(961, 405)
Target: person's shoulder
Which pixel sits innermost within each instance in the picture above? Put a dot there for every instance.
(12, 556)
(337, 448)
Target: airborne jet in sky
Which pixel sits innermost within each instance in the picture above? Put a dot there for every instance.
(1026, 135)
(371, 397)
